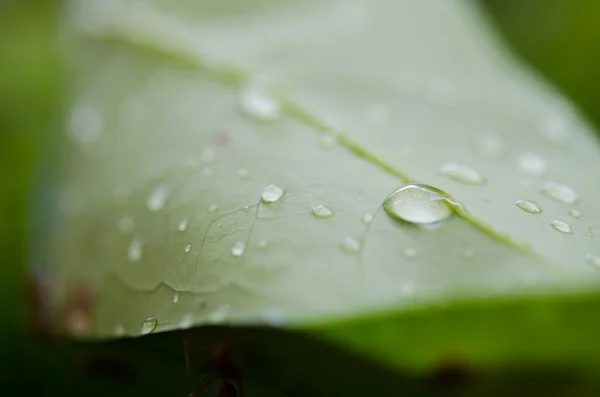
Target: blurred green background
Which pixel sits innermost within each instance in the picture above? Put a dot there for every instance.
(559, 38)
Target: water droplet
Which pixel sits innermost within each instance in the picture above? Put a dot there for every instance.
(187, 247)
(492, 146)
(213, 208)
(158, 198)
(262, 244)
(126, 224)
(273, 317)
(562, 227)
(85, 124)
(246, 209)
(350, 244)
(462, 174)
(258, 105)
(243, 173)
(148, 326)
(558, 192)
(119, 330)
(589, 233)
(328, 141)
(208, 155)
(320, 211)
(532, 164)
(207, 173)
(183, 224)
(186, 320)
(554, 127)
(176, 297)
(575, 212)
(468, 253)
(594, 260)
(271, 194)
(420, 204)
(367, 218)
(134, 252)
(411, 253)
(219, 315)
(529, 206)
(407, 289)
(238, 249)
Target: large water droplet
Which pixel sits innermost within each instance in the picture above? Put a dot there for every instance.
(532, 164)
(238, 249)
(175, 297)
(320, 211)
(350, 244)
(158, 198)
(575, 212)
(421, 204)
(134, 252)
(529, 206)
(559, 192)
(148, 326)
(258, 105)
(271, 194)
(126, 224)
(462, 174)
(562, 227)
(183, 224)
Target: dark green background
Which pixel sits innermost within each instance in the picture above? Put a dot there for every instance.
(560, 38)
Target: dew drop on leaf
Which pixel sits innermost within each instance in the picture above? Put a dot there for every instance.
(468, 253)
(175, 297)
(158, 198)
(262, 244)
(186, 320)
(134, 252)
(367, 218)
(148, 326)
(183, 224)
(411, 253)
(260, 106)
(420, 204)
(238, 249)
(328, 141)
(350, 244)
(532, 164)
(213, 208)
(529, 206)
(593, 260)
(562, 227)
(575, 212)
(271, 194)
(321, 211)
(187, 247)
(462, 174)
(559, 192)
(219, 315)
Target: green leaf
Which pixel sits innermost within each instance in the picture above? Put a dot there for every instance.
(182, 115)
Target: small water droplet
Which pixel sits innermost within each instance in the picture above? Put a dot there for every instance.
(238, 249)
(532, 164)
(262, 244)
(420, 204)
(186, 320)
(529, 206)
(411, 253)
(219, 315)
(320, 211)
(148, 326)
(492, 146)
(134, 252)
(158, 198)
(468, 253)
(589, 233)
(562, 227)
(243, 173)
(183, 224)
(213, 208)
(575, 212)
(407, 289)
(559, 192)
(176, 297)
(367, 218)
(273, 317)
(187, 247)
(126, 224)
(259, 105)
(246, 209)
(462, 174)
(328, 141)
(119, 330)
(207, 173)
(593, 260)
(208, 155)
(271, 194)
(350, 244)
